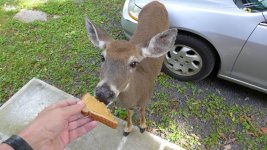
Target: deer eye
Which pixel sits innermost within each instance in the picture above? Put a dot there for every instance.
(102, 58)
(133, 64)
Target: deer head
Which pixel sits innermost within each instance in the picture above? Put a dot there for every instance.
(120, 59)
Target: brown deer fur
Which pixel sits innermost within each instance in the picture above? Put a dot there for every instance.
(133, 86)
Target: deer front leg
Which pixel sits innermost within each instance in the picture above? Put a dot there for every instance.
(142, 120)
(129, 125)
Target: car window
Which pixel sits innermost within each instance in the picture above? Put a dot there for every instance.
(252, 5)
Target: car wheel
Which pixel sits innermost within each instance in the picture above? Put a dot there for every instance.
(191, 59)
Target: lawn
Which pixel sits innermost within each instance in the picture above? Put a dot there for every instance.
(59, 52)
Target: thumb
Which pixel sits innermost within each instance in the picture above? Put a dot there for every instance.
(74, 109)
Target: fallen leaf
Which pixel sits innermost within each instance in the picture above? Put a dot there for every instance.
(247, 118)
(264, 130)
(227, 147)
(223, 137)
(232, 140)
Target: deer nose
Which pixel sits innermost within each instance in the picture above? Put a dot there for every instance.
(104, 94)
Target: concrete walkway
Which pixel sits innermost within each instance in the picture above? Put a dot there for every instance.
(17, 112)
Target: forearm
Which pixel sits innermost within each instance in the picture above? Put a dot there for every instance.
(4, 146)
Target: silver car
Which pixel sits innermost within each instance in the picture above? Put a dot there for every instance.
(225, 36)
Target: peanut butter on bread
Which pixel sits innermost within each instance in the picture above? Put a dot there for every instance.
(98, 111)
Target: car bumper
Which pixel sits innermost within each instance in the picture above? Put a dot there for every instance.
(128, 24)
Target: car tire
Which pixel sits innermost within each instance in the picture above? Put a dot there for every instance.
(191, 59)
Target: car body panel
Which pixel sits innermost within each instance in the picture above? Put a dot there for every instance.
(227, 44)
(250, 66)
(265, 15)
(221, 23)
(199, 3)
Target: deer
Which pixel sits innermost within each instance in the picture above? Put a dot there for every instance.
(129, 68)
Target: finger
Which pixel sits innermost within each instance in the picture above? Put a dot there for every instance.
(78, 123)
(59, 104)
(82, 130)
(64, 103)
(73, 109)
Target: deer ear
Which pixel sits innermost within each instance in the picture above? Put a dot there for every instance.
(160, 44)
(97, 36)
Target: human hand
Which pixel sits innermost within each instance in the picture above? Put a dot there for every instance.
(57, 125)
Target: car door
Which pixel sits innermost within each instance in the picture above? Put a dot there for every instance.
(265, 15)
(251, 65)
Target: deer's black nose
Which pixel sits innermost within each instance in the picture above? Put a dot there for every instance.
(104, 94)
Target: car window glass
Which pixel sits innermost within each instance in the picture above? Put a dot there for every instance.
(252, 5)
(256, 5)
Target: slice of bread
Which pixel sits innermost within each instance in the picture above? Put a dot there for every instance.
(98, 111)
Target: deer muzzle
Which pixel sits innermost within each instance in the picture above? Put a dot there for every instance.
(104, 93)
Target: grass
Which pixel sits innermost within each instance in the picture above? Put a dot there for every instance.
(211, 122)
(59, 52)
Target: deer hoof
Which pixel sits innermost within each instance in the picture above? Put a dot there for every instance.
(126, 133)
(142, 130)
